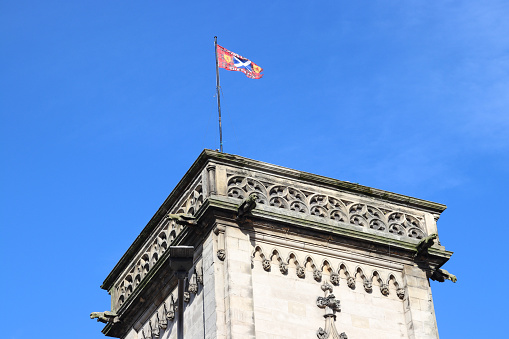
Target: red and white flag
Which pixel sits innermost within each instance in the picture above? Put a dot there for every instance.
(233, 62)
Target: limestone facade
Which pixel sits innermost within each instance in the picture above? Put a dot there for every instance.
(313, 257)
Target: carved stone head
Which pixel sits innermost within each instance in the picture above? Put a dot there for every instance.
(334, 278)
(266, 264)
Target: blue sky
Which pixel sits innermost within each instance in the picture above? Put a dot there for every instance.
(104, 105)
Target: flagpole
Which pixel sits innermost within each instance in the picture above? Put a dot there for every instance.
(218, 98)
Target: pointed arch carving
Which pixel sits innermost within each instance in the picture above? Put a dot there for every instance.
(385, 281)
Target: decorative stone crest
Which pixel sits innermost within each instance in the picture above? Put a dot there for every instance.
(331, 306)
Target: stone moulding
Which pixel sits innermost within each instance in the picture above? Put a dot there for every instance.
(339, 207)
(334, 275)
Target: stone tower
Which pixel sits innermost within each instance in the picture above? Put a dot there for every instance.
(280, 253)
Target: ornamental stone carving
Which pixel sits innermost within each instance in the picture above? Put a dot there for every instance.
(384, 279)
(350, 281)
(153, 330)
(180, 217)
(338, 208)
(266, 264)
(334, 278)
(331, 305)
(193, 285)
(170, 311)
(321, 334)
(221, 254)
(187, 297)
(163, 321)
(317, 274)
(368, 285)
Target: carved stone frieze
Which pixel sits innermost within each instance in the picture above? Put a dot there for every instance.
(338, 208)
(386, 281)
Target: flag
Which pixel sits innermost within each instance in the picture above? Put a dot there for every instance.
(234, 62)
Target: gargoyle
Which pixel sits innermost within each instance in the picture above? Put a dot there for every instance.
(441, 275)
(182, 219)
(247, 206)
(424, 244)
(104, 317)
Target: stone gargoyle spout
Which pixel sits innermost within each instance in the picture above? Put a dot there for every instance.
(104, 317)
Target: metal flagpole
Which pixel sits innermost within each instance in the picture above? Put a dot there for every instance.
(218, 98)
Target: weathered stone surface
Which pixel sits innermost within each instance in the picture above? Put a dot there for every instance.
(263, 264)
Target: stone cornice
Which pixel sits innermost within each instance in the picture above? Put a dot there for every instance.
(310, 178)
(266, 215)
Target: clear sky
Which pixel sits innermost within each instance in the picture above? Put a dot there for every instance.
(104, 105)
